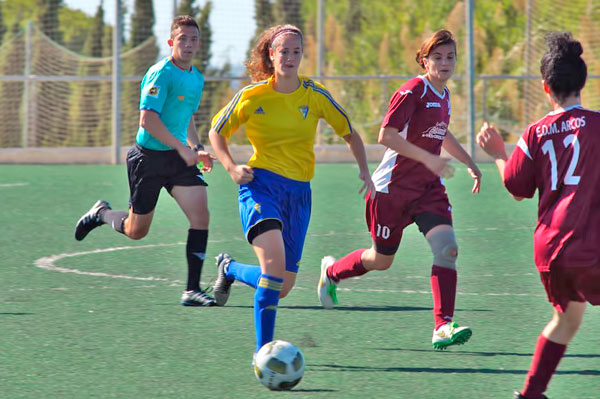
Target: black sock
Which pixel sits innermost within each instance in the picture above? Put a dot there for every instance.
(116, 219)
(195, 251)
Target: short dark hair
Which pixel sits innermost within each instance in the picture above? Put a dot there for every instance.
(183, 20)
(562, 67)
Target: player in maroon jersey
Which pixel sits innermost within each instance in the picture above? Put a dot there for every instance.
(409, 188)
(557, 155)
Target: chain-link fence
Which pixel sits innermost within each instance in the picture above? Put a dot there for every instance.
(56, 59)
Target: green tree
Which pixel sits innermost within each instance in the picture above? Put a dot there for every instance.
(204, 55)
(2, 27)
(264, 17)
(85, 115)
(12, 62)
(142, 26)
(47, 20)
(289, 12)
(142, 21)
(187, 7)
(48, 116)
(75, 26)
(102, 131)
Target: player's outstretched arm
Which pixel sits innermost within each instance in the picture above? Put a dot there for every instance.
(389, 137)
(240, 174)
(491, 142)
(453, 147)
(357, 147)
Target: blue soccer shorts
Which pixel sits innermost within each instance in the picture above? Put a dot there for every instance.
(272, 196)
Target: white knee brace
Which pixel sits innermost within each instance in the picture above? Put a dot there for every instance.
(444, 248)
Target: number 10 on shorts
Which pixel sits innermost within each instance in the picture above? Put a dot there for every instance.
(383, 232)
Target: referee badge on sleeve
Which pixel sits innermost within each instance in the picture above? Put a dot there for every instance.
(153, 91)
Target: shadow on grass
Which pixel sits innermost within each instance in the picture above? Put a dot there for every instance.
(361, 308)
(15, 313)
(336, 367)
(295, 390)
(485, 354)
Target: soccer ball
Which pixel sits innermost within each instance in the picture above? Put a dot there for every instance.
(279, 365)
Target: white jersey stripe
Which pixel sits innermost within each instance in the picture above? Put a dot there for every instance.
(383, 174)
(430, 86)
(523, 146)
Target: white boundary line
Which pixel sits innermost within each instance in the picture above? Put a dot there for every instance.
(2, 185)
(47, 263)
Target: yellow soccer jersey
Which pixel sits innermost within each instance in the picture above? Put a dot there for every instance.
(281, 126)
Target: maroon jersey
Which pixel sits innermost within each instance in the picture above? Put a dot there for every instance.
(558, 155)
(422, 115)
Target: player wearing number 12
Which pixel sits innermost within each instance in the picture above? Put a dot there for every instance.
(558, 157)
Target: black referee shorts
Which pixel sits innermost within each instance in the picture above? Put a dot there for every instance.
(151, 170)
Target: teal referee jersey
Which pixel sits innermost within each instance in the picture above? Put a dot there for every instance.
(174, 94)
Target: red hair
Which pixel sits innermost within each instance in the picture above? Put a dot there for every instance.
(439, 38)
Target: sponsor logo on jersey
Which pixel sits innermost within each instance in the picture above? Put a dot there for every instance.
(154, 91)
(433, 105)
(259, 111)
(437, 132)
(257, 207)
(180, 98)
(404, 93)
(303, 110)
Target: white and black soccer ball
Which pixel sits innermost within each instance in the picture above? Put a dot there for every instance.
(279, 365)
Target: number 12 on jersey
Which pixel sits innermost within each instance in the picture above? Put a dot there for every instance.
(570, 178)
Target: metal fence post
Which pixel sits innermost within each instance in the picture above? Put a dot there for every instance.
(116, 86)
(470, 73)
(320, 56)
(27, 85)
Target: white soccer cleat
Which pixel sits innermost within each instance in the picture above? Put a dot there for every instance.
(450, 334)
(326, 289)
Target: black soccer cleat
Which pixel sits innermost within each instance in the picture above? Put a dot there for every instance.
(196, 298)
(222, 286)
(519, 396)
(90, 220)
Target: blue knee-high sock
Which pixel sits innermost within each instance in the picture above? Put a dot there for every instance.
(266, 299)
(247, 274)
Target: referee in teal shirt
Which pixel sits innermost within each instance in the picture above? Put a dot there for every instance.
(166, 153)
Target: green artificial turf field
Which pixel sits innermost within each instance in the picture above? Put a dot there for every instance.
(101, 318)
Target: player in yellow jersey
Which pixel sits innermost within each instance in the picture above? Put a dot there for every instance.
(280, 111)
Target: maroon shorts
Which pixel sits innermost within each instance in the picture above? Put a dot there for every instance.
(579, 284)
(389, 213)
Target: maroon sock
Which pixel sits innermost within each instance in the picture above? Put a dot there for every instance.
(443, 289)
(348, 266)
(545, 360)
